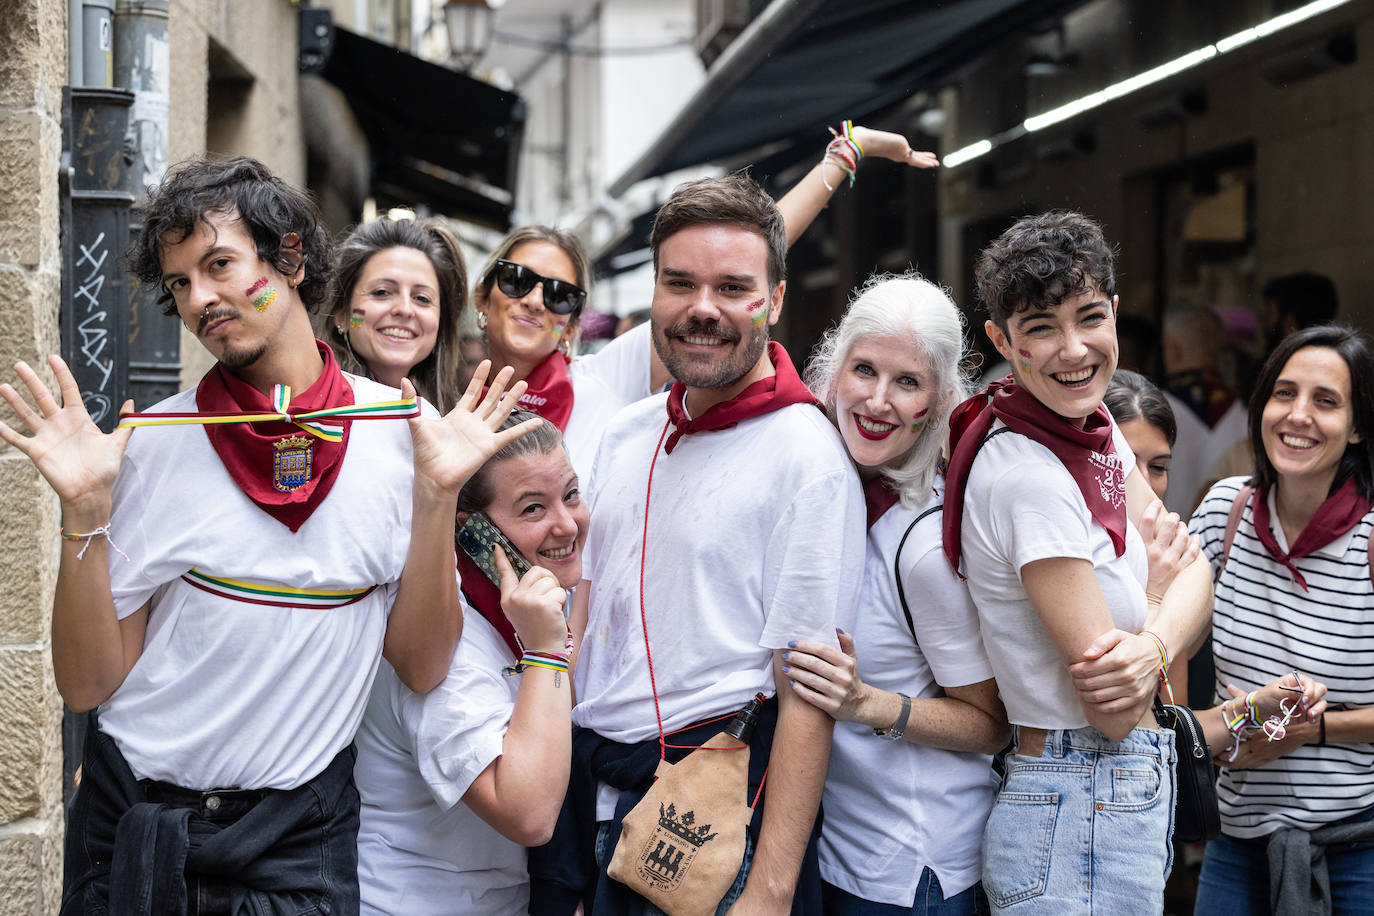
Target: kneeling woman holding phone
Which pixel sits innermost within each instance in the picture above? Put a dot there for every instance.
(457, 782)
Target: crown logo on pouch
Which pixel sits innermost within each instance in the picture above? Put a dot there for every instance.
(672, 847)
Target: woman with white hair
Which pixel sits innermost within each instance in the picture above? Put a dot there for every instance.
(916, 709)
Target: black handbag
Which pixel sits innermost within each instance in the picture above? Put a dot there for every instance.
(1196, 815)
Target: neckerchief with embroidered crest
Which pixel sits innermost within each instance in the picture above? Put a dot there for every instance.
(1088, 454)
(277, 465)
(779, 390)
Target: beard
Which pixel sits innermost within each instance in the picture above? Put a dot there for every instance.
(709, 370)
(234, 358)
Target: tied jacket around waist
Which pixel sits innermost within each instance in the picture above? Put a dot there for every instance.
(132, 845)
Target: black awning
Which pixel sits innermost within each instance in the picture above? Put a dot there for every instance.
(846, 59)
(438, 137)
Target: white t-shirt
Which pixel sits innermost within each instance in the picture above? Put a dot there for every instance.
(1197, 449)
(893, 808)
(229, 693)
(625, 365)
(594, 405)
(755, 538)
(420, 850)
(1264, 627)
(1022, 505)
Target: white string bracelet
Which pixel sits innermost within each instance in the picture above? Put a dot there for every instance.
(102, 532)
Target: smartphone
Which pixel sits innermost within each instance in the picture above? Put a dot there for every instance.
(478, 539)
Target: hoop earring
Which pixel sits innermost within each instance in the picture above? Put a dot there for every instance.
(481, 321)
(565, 347)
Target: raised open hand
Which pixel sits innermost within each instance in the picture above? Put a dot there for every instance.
(887, 145)
(77, 459)
(450, 449)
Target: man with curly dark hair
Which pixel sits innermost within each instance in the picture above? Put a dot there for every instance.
(231, 575)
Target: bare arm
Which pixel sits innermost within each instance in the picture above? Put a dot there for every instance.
(1069, 603)
(92, 650)
(796, 775)
(808, 197)
(426, 619)
(1115, 672)
(520, 793)
(968, 718)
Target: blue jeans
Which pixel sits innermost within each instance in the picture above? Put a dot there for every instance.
(1084, 827)
(930, 901)
(1235, 876)
(604, 852)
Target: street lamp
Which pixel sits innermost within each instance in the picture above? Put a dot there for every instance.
(469, 24)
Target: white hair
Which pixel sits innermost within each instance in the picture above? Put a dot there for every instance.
(907, 307)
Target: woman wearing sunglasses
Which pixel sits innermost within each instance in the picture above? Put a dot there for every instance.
(529, 303)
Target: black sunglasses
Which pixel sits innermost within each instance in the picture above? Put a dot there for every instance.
(560, 296)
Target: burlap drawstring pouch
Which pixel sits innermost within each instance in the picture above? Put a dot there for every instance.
(682, 845)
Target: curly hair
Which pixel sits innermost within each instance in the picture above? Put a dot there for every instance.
(732, 199)
(436, 377)
(268, 207)
(1041, 261)
(906, 307)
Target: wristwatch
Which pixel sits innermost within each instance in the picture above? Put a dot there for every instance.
(895, 732)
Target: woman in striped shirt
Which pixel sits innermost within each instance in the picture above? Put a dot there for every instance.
(1301, 611)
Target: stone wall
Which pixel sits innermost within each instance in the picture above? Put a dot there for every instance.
(33, 70)
(253, 49)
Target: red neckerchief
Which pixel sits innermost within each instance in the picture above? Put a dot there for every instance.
(1204, 391)
(268, 460)
(1337, 514)
(782, 389)
(549, 391)
(486, 598)
(879, 496)
(1088, 454)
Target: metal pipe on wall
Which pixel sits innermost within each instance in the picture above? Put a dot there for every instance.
(142, 65)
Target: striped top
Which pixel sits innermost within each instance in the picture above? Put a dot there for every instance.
(1265, 626)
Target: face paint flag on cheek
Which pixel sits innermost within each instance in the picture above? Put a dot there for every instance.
(1025, 359)
(757, 313)
(355, 320)
(263, 294)
(558, 329)
(918, 422)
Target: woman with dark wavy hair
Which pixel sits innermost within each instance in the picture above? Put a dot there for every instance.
(399, 290)
(1290, 550)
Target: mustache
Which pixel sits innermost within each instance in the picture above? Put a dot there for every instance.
(697, 326)
(215, 315)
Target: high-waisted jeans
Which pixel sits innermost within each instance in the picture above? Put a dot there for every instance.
(1085, 827)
